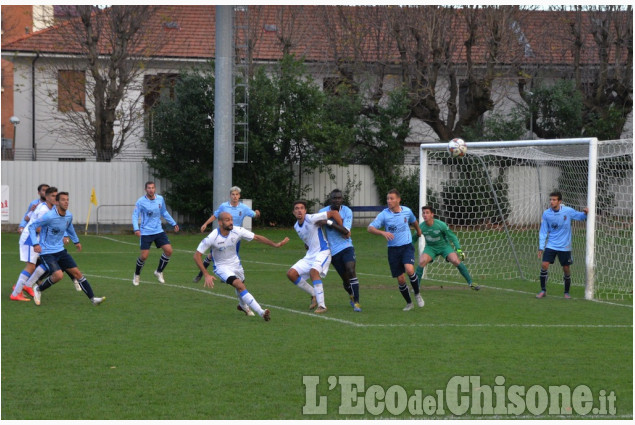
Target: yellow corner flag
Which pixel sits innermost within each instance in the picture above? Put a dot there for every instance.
(93, 201)
(93, 197)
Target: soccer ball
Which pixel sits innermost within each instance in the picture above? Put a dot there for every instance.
(457, 148)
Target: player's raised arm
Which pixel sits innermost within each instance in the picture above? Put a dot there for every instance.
(269, 242)
(209, 221)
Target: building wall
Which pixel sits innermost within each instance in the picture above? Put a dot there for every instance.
(50, 131)
(51, 143)
(17, 21)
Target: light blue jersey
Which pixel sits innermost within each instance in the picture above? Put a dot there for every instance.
(337, 242)
(151, 211)
(239, 212)
(29, 211)
(555, 228)
(396, 223)
(54, 227)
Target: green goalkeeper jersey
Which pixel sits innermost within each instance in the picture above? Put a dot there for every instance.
(439, 235)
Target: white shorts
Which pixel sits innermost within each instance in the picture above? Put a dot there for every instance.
(27, 254)
(320, 262)
(226, 272)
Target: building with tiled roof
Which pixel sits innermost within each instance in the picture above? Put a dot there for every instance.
(178, 37)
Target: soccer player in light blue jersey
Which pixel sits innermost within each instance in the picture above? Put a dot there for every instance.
(397, 221)
(53, 225)
(315, 264)
(41, 190)
(27, 253)
(555, 240)
(342, 250)
(238, 211)
(150, 208)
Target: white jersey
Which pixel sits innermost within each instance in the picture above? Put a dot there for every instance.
(41, 209)
(311, 234)
(224, 249)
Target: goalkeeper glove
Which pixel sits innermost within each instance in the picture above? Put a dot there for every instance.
(461, 254)
(415, 237)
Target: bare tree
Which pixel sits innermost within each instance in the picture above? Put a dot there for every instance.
(447, 58)
(612, 30)
(599, 42)
(101, 98)
(360, 47)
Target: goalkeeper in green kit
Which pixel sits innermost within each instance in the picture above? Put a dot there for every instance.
(438, 237)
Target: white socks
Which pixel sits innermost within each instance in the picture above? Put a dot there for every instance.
(250, 301)
(39, 271)
(24, 276)
(319, 293)
(304, 285)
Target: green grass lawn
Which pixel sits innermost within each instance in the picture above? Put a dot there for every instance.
(179, 351)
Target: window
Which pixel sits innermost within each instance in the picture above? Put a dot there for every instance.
(71, 91)
(155, 88)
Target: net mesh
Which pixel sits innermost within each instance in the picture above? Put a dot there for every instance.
(493, 199)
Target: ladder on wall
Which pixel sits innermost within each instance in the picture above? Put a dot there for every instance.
(240, 86)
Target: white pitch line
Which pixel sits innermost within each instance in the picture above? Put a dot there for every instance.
(517, 291)
(375, 325)
(229, 297)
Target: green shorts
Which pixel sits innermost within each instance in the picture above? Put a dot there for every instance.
(442, 250)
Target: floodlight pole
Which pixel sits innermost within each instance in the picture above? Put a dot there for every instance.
(223, 111)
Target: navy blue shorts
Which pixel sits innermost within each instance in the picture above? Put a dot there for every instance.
(549, 256)
(59, 261)
(340, 259)
(159, 240)
(398, 256)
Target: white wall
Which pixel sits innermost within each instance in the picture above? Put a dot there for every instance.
(114, 183)
(122, 183)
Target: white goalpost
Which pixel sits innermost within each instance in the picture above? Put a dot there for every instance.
(493, 198)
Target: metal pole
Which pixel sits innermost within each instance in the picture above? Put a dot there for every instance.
(589, 291)
(423, 192)
(223, 112)
(15, 138)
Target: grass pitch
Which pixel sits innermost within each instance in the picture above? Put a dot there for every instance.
(179, 351)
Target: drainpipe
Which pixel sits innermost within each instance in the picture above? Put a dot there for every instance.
(33, 151)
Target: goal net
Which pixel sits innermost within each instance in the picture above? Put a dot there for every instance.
(494, 197)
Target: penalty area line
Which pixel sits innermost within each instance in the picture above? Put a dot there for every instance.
(376, 325)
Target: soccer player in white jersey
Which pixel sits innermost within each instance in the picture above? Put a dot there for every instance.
(27, 253)
(315, 264)
(223, 244)
(151, 207)
(237, 209)
(41, 190)
(555, 240)
(397, 220)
